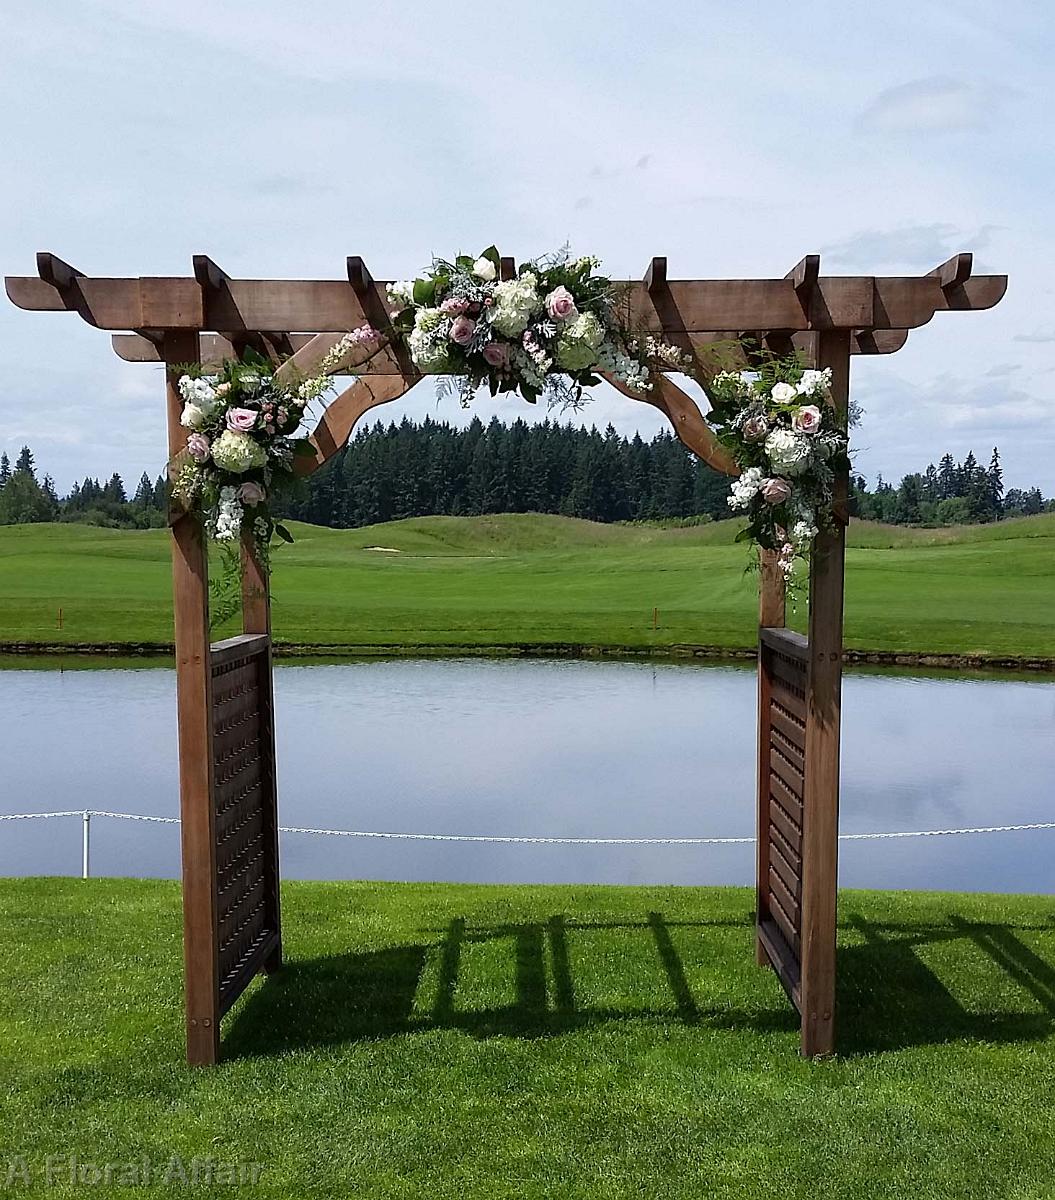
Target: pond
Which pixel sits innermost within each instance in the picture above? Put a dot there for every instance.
(541, 748)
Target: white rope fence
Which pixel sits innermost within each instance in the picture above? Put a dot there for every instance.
(86, 815)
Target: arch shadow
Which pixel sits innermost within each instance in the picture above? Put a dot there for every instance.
(891, 998)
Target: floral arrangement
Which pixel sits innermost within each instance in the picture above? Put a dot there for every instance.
(544, 332)
(780, 425)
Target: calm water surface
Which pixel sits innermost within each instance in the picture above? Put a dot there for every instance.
(566, 749)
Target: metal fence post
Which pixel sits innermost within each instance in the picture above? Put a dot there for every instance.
(86, 827)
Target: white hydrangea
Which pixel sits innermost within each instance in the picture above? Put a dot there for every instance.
(788, 452)
(745, 488)
(229, 515)
(428, 349)
(516, 301)
(402, 292)
(627, 370)
(427, 319)
(814, 381)
(579, 341)
(237, 452)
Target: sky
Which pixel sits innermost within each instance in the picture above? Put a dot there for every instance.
(732, 138)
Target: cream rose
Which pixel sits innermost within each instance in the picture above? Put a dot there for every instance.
(783, 393)
(484, 269)
(192, 417)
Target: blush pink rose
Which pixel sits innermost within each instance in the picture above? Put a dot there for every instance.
(454, 307)
(776, 490)
(462, 330)
(198, 447)
(497, 354)
(560, 304)
(756, 428)
(807, 419)
(251, 493)
(241, 419)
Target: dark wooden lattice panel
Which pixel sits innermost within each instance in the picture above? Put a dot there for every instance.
(782, 771)
(244, 811)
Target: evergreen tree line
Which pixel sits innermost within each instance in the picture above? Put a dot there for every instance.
(951, 493)
(414, 469)
(25, 499)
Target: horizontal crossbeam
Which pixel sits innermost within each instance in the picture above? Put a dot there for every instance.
(803, 302)
(215, 347)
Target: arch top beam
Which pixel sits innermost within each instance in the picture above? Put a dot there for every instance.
(689, 306)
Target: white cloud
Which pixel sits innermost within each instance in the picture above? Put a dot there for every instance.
(938, 104)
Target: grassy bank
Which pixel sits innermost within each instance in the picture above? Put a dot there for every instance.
(530, 581)
(456, 1041)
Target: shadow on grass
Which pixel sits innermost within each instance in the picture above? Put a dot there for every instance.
(889, 998)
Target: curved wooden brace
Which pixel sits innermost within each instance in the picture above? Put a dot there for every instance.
(686, 420)
(343, 414)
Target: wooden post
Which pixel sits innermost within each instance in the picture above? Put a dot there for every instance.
(771, 615)
(256, 618)
(190, 594)
(820, 834)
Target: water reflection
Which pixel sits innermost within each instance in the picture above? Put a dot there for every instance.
(566, 749)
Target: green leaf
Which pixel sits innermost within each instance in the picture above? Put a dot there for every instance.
(424, 291)
(492, 255)
(283, 533)
(529, 393)
(745, 535)
(464, 262)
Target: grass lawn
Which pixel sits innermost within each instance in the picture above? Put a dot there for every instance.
(527, 580)
(464, 1041)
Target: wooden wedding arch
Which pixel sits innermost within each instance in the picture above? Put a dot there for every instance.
(232, 927)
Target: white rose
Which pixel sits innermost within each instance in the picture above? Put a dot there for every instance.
(192, 417)
(783, 393)
(484, 269)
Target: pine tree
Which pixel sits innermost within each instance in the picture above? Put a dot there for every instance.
(115, 490)
(5, 469)
(25, 463)
(144, 497)
(948, 478)
(995, 485)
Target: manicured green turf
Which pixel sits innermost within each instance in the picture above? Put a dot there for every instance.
(464, 1041)
(530, 580)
